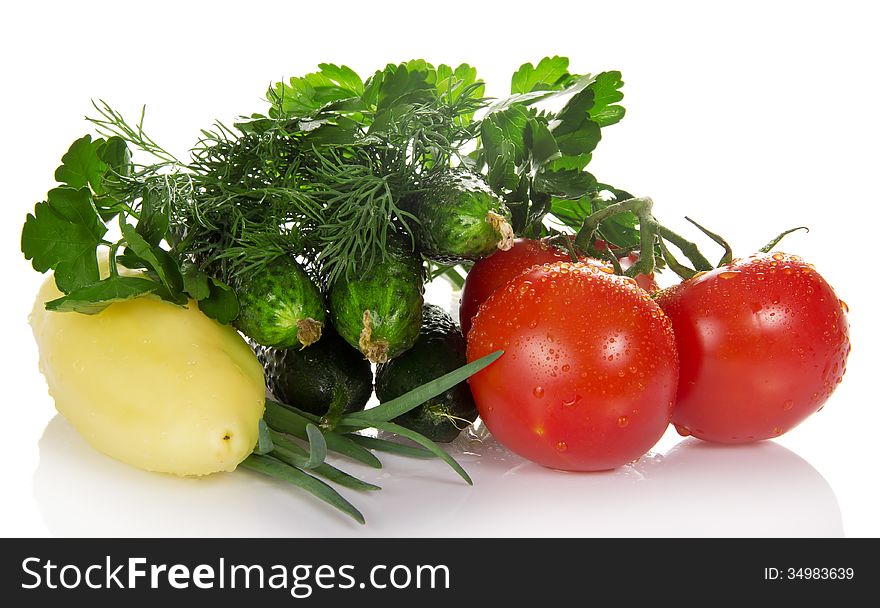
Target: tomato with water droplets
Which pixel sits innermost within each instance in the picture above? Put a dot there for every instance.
(588, 376)
(762, 341)
(494, 271)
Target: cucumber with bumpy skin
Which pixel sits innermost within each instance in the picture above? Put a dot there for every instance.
(328, 378)
(439, 349)
(461, 219)
(380, 312)
(280, 305)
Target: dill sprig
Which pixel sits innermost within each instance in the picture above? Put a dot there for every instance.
(111, 123)
(361, 212)
(324, 185)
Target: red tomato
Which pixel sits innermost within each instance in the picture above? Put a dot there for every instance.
(492, 272)
(588, 377)
(763, 342)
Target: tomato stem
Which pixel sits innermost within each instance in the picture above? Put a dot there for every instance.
(769, 246)
(651, 232)
(641, 207)
(688, 248)
(674, 265)
(569, 247)
(728, 252)
(612, 257)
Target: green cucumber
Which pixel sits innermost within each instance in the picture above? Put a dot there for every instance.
(328, 378)
(380, 312)
(461, 219)
(280, 305)
(439, 349)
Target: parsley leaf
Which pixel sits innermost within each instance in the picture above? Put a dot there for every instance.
(154, 220)
(95, 297)
(80, 165)
(156, 259)
(343, 78)
(500, 156)
(63, 234)
(606, 88)
(551, 73)
(216, 299)
(196, 283)
(452, 84)
(404, 83)
(96, 164)
(541, 143)
(512, 122)
(566, 183)
(575, 131)
(222, 303)
(304, 96)
(115, 155)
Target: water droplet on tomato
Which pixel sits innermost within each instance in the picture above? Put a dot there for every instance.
(844, 306)
(622, 421)
(566, 367)
(683, 431)
(561, 446)
(777, 430)
(788, 404)
(778, 256)
(572, 401)
(729, 274)
(538, 391)
(759, 276)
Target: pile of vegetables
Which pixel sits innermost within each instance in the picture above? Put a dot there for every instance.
(311, 228)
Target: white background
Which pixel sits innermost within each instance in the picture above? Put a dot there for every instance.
(750, 116)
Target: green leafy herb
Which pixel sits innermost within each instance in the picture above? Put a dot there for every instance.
(155, 258)
(221, 304)
(273, 467)
(416, 437)
(550, 74)
(306, 95)
(392, 447)
(317, 447)
(414, 398)
(289, 452)
(320, 176)
(81, 166)
(92, 299)
(62, 235)
(287, 420)
(264, 441)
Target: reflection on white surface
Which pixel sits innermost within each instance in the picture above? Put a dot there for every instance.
(695, 489)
